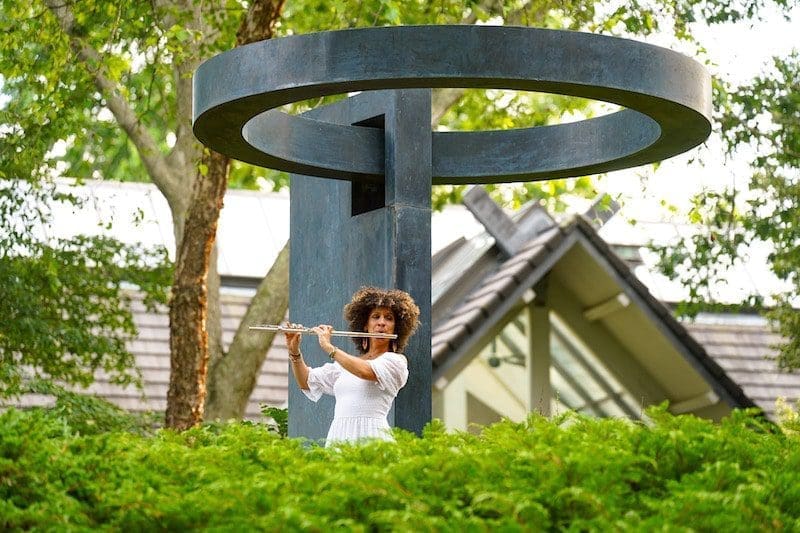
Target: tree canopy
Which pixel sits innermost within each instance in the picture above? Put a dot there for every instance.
(60, 298)
(759, 120)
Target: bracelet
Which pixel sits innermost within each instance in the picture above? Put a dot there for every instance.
(333, 353)
(295, 356)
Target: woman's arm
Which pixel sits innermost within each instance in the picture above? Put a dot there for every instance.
(299, 367)
(300, 371)
(355, 365)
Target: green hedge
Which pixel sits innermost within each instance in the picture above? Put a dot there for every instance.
(569, 472)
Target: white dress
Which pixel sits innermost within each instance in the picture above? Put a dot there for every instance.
(361, 405)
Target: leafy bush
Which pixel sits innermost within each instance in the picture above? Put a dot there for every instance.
(280, 419)
(569, 472)
(87, 414)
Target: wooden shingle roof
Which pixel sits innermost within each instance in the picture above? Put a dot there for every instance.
(743, 348)
(151, 351)
(730, 356)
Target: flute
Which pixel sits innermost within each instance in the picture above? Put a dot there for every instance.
(335, 333)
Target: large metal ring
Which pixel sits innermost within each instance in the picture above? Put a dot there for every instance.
(666, 96)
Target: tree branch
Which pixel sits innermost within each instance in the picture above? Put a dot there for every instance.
(443, 99)
(235, 375)
(257, 24)
(153, 160)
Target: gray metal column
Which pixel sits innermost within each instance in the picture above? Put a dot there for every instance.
(345, 235)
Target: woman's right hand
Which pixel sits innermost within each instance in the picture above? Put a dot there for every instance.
(292, 339)
(323, 332)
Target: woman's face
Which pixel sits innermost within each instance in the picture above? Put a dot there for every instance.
(381, 320)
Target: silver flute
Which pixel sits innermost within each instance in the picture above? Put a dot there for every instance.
(335, 333)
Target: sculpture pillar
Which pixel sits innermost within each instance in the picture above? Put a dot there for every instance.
(348, 234)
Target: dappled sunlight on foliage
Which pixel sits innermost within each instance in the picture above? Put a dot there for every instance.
(788, 416)
(570, 471)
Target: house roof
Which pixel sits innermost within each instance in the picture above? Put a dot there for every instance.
(474, 284)
(483, 284)
(738, 347)
(742, 346)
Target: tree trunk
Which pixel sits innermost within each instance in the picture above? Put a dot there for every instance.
(189, 305)
(235, 375)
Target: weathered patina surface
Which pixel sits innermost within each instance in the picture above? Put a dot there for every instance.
(371, 223)
(667, 97)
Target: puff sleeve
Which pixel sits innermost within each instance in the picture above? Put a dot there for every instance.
(391, 369)
(321, 381)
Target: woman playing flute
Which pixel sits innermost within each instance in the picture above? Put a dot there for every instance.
(366, 384)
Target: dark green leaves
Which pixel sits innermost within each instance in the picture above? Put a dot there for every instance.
(568, 473)
(761, 121)
(65, 303)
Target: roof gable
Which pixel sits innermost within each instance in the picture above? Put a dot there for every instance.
(575, 255)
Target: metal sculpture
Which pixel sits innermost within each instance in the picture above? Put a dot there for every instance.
(378, 146)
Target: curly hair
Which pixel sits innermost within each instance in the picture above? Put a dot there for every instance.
(406, 313)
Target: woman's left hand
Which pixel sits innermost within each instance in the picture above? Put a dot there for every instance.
(323, 332)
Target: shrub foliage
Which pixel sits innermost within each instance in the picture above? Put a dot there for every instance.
(569, 472)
